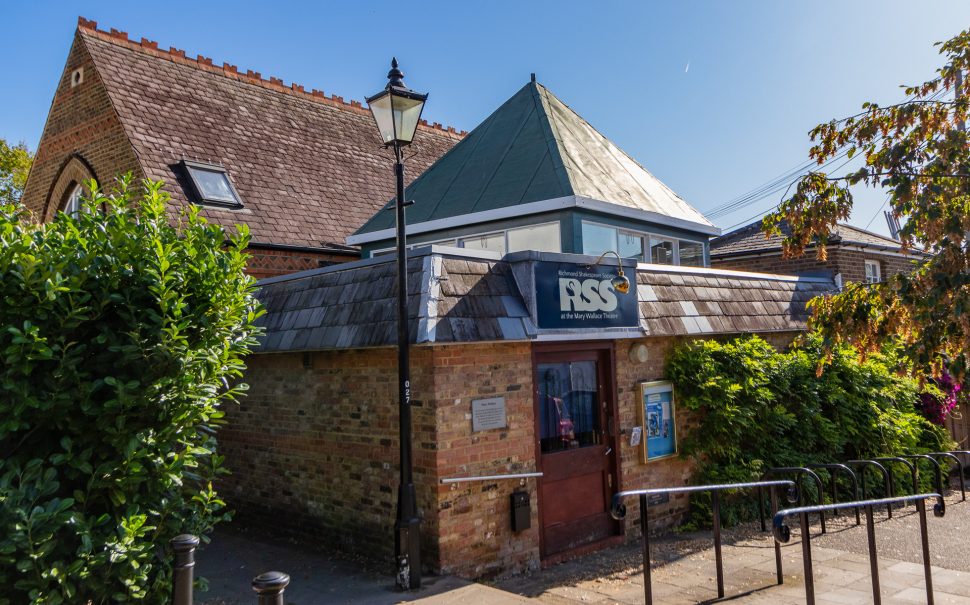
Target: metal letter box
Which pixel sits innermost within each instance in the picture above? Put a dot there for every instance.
(521, 511)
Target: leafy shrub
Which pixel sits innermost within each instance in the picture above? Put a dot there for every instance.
(761, 408)
(118, 335)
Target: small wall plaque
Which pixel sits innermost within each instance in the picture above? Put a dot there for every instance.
(488, 414)
(657, 499)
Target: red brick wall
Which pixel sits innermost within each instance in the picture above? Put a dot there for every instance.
(313, 449)
(850, 263)
(314, 446)
(81, 123)
(83, 138)
(474, 518)
(265, 262)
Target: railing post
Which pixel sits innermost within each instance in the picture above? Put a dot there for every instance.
(924, 538)
(873, 560)
(183, 571)
(761, 506)
(270, 586)
(774, 509)
(807, 559)
(645, 531)
(717, 544)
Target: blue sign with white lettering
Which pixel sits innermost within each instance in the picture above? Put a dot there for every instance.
(582, 297)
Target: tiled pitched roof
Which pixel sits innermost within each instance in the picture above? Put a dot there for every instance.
(455, 297)
(750, 239)
(535, 148)
(309, 168)
(717, 302)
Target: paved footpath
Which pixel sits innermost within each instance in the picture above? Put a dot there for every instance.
(682, 574)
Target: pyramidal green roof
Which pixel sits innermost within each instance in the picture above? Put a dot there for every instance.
(531, 149)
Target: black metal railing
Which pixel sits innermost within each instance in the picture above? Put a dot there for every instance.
(798, 471)
(934, 464)
(618, 510)
(959, 463)
(887, 479)
(913, 472)
(269, 586)
(782, 534)
(833, 480)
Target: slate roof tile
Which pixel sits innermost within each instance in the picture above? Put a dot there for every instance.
(488, 306)
(750, 239)
(309, 169)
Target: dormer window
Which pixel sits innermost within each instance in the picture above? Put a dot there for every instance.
(211, 185)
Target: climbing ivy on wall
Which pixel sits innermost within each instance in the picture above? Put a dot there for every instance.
(760, 408)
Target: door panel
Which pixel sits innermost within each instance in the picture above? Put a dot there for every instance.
(576, 455)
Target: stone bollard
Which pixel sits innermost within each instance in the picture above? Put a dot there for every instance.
(270, 586)
(184, 546)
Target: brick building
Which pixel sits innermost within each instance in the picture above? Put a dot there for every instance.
(854, 254)
(527, 358)
(314, 445)
(302, 169)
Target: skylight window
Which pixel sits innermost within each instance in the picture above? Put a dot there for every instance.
(212, 184)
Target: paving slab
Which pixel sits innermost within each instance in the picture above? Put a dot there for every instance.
(683, 573)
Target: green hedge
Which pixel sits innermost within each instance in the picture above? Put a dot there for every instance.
(759, 408)
(119, 334)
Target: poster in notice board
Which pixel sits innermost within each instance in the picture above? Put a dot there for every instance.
(657, 417)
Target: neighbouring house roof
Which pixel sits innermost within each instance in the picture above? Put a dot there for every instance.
(458, 296)
(750, 239)
(309, 168)
(532, 149)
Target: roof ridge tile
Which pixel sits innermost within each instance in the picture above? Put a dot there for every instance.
(177, 55)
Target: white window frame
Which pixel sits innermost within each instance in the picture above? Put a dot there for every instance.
(869, 275)
(457, 240)
(74, 204)
(646, 235)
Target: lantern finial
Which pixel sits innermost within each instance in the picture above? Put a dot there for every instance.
(395, 76)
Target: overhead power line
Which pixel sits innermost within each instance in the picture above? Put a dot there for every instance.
(783, 181)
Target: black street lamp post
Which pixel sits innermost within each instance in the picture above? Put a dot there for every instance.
(397, 110)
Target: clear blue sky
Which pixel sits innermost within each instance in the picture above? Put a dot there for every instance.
(761, 74)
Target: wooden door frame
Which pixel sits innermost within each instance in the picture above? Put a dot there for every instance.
(580, 346)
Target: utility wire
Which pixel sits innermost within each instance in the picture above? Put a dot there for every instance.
(784, 180)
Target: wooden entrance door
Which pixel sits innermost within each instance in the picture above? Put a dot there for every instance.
(577, 456)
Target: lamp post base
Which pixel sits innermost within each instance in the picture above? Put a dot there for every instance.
(407, 546)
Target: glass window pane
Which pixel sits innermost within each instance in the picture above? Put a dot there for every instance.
(214, 186)
(543, 238)
(406, 114)
(872, 272)
(74, 203)
(631, 245)
(493, 241)
(661, 251)
(569, 417)
(597, 239)
(691, 254)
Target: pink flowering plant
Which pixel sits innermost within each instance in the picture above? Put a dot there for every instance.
(939, 400)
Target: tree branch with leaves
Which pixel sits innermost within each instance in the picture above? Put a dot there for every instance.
(917, 152)
(15, 164)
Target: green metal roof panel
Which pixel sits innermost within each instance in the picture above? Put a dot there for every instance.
(533, 148)
(502, 162)
(600, 170)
